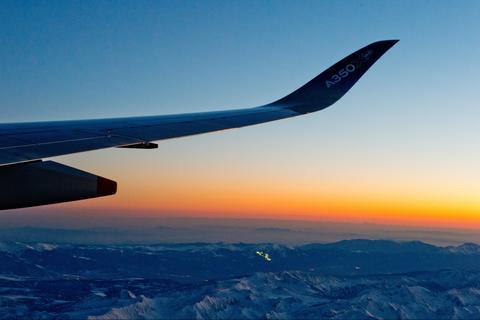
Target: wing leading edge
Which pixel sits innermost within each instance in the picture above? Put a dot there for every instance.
(26, 142)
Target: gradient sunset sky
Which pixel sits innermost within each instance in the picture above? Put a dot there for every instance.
(401, 147)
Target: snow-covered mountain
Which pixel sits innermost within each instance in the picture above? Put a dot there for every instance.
(355, 279)
(298, 295)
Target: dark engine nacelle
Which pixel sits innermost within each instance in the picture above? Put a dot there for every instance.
(47, 182)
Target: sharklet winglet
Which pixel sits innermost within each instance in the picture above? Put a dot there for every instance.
(330, 85)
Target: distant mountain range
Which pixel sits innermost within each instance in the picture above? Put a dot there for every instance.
(199, 261)
(365, 279)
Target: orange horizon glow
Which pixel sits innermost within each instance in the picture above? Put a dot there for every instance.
(275, 202)
(181, 180)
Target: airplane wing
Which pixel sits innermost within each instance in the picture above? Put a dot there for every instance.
(26, 180)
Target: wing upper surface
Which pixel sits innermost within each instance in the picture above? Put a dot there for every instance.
(22, 142)
(26, 142)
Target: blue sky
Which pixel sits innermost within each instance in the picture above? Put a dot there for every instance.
(408, 128)
(75, 59)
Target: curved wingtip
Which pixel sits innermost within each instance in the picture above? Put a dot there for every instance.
(329, 86)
